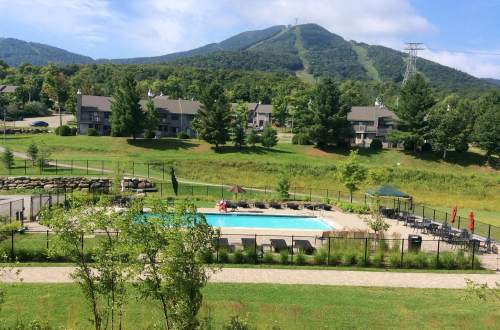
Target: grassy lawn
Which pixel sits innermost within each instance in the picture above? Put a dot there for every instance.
(265, 306)
(462, 180)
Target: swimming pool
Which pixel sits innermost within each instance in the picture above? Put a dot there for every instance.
(238, 220)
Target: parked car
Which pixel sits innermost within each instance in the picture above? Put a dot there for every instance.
(39, 123)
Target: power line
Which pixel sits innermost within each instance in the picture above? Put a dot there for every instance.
(464, 51)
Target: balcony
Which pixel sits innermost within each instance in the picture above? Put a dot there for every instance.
(364, 128)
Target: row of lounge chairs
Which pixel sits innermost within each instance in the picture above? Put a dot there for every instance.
(277, 205)
(275, 245)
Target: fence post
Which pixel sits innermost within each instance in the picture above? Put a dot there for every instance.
(222, 190)
(71, 169)
(161, 189)
(102, 167)
(327, 193)
(25, 165)
(328, 256)
(365, 206)
(310, 194)
(133, 168)
(489, 232)
(458, 222)
(10, 211)
(434, 215)
(446, 216)
(338, 196)
(255, 250)
(148, 169)
(81, 238)
(402, 251)
(207, 191)
(292, 249)
(12, 244)
(56, 166)
(366, 249)
(473, 253)
(423, 211)
(437, 256)
(47, 239)
(41, 166)
(163, 171)
(192, 190)
(87, 167)
(217, 248)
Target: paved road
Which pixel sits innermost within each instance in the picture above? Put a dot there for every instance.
(289, 276)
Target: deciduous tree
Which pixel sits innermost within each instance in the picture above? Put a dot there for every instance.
(351, 173)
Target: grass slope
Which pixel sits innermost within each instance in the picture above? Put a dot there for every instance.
(265, 306)
(366, 62)
(461, 180)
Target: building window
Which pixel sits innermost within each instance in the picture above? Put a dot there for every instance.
(174, 117)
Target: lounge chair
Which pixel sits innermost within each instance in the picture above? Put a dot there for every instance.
(279, 245)
(292, 206)
(325, 207)
(243, 204)
(223, 244)
(275, 205)
(231, 205)
(260, 205)
(304, 245)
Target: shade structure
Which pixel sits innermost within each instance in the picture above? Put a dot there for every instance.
(237, 189)
(453, 215)
(387, 191)
(470, 224)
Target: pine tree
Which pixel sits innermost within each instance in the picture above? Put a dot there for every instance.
(8, 159)
(151, 120)
(32, 151)
(330, 123)
(252, 138)
(126, 114)
(280, 107)
(214, 116)
(269, 137)
(416, 100)
(239, 124)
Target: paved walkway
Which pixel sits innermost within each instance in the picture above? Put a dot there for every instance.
(288, 276)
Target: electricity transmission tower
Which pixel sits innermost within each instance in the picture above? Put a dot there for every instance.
(411, 65)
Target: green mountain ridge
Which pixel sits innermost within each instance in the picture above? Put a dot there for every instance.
(308, 50)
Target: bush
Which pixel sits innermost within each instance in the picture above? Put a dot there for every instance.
(284, 257)
(149, 134)
(207, 257)
(376, 144)
(447, 260)
(223, 256)
(395, 260)
(269, 137)
(335, 257)
(63, 130)
(462, 147)
(74, 131)
(378, 258)
(409, 145)
(250, 256)
(360, 260)
(34, 109)
(349, 258)
(352, 207)
(426, 147)
(320, 256)
(268, 258)
(300, 258)
(301, 139)
(91, 132)
(182, 135)
(238, 257)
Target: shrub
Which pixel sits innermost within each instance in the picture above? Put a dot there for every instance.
(462, 147)
(207, 257)
(223, 256)
(149, 134)
(182, 135)
(395, 260)
(301, 139)
(447, 260)
(376, 144)
(250, 256)
(335, 257)
(349, 258)
(34, 109)
(352, 207)
(320, 256)
(74, 131)
(284, 257)
(63, 130)
(426, 147)
(268, 258)
(91, 132)
(300, 258)
(269, 137)
(408, 145)
(360, 260)
(378, 258)
(238, 257)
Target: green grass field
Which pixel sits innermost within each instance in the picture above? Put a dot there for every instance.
(461, 180)
(265, 306)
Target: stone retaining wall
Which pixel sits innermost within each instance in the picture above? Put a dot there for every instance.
(51, 183)
(25, 130)
(136, 183)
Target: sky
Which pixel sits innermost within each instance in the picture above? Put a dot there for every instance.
(463, 34)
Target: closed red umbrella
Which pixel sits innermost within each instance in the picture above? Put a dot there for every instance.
(453, 214)
(470, 224)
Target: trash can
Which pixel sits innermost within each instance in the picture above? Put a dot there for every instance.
(414, 242)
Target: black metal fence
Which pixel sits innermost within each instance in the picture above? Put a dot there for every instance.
(11, 209)
(38, 202)
(365, 250)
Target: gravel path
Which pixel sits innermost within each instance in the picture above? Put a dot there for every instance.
(288, 276)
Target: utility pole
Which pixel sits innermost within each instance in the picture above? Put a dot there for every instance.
(411, 65)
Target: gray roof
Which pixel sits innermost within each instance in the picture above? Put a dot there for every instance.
(187, 107)
(96, 103)
(7, 88)
(265, 108)
(369, 113)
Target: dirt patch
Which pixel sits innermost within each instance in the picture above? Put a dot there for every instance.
(201, 148)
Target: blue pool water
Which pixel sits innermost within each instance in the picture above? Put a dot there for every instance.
(238, 220)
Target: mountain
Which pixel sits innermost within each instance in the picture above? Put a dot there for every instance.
(492, 81)
(15, 52)
(308, 50)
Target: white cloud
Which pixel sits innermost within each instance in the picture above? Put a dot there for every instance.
(475, 62)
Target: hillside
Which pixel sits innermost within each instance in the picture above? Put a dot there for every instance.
(308, 50)
(15, 52)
